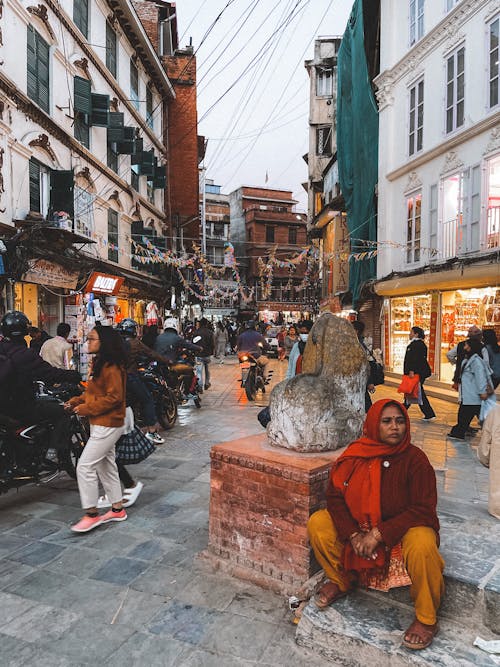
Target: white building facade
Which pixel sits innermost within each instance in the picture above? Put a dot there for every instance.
(439, 173)
(82, 101)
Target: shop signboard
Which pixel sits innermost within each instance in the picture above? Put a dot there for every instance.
(433, 330)
(104, 283)
(281, 306)
(43, 272)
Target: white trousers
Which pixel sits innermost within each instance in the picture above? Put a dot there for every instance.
(98, 461)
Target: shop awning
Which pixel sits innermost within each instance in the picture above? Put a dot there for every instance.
(472, 275)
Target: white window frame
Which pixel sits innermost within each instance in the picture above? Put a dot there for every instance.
(84, 211)
(324, 82)
(416, 20)
(452, 103)
(416, 117)
(492, 75)
(413, 242)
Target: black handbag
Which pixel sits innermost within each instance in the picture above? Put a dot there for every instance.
(376, 372)
(134, 447)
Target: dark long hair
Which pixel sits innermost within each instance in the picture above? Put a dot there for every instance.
(475, 347)
(490, 338)
(112, 350)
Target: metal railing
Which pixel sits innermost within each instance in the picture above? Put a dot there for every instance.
(493, 227)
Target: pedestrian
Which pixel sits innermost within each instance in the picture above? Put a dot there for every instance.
(57, 351)
(493, 348)
(488, 454)
(380, 526)
(103, 403)
(204, 337)
(473, 388)
(150, 335)
(457, 354)
(415, 363)
(221, 339)
(281, 344)
(297, 351)
(359, 328)
(290, 340)
(38, 338)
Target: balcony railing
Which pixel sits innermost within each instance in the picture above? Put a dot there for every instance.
(493, 227)
(449, 245)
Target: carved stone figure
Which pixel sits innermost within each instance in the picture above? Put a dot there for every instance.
(322, 408)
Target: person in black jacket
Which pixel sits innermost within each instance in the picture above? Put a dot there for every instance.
(415, 363)
(17, 395)
(204, 337)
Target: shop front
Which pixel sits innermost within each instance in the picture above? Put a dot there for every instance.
(445, 312)
(281, 312)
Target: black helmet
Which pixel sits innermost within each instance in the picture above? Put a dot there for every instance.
(15, 324)
(127, 327)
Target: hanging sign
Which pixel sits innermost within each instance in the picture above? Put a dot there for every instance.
(104, 283)
(43, 272)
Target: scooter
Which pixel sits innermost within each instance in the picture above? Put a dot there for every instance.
(25, 453)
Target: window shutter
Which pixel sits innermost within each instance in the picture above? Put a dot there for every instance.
(127, 146)
(43, 73)
(32, 88)
(115, 127)
(100, 110)
(81, 16)
(147, 163)
(111, 49)
(433, 219)
(159, 177)
(82, 93)
(475, 209)
(34, 172)
(138, 150)
(61, 191)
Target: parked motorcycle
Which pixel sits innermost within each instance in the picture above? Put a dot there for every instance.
(182, 380)
(25, 453)
(163, 396)
(252, 375)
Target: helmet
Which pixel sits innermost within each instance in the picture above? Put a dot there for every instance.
(250, 324)
(127, 327)
(170, 323)
(15, 324)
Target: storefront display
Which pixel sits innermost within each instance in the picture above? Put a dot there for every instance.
(407, 312)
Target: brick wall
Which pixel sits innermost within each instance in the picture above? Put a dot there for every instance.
(148, 13)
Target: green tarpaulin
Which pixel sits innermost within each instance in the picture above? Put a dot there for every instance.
(357, 147)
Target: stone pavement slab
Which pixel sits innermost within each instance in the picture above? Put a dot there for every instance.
(143, 574)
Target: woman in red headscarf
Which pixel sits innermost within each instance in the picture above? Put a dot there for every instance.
(380, 527)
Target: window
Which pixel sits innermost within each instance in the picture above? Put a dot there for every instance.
(84, 212)
(81, 16)
(134, 177)
(112, 157)
(218, 255)
(38, 69)
(455, 90)
(292, 235)
(39, 177)
(269, 234)
(82, 109)
(324, 82)
(413, 227)
(166, 42)
(150, 192)
(324, 141)
(416, 124)
(494, 55)
(493, 211)
(110, 49)
(453, 188)
(433, 219)
(112, 235)
(134, 84)
(218, 230)
(149, 107)
(416, 20)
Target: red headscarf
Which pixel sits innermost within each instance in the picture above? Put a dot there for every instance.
(357, 474)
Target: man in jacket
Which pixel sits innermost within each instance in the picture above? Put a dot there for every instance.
(254, 343)
(25, 366)
(204, 337)
(169, 344)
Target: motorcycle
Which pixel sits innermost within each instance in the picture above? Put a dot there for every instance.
(164, 398)
(182, 380)
(252, 375)
(25, 453)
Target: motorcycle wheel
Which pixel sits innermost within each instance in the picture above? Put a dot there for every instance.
(78, 438)
(167, 410)
(250, 388)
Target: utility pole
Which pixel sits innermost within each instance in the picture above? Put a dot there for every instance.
(202, 212)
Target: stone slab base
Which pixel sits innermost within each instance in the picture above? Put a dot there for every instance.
(260, 500)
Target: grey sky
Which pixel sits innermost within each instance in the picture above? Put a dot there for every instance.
(257, 48)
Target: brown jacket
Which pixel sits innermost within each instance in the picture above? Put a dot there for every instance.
(104, 400)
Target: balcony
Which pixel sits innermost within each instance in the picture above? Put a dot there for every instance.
(493, 227)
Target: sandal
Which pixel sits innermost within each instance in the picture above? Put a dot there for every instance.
(327, 594)
(131, 495)
(425, 632)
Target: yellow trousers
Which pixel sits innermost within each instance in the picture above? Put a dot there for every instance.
(420, 552)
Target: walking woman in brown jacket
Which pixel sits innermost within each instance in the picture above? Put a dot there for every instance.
(104, 404)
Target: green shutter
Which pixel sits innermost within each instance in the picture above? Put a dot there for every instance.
(43, 51)
(61, 191)
(127, 146)
(32, 88)
(82, 92)
(137, 154)
(100, 110)
(34, 171)
(115, 128)
(111, 49)
(147, 163)
(160, 177)
(81, 16)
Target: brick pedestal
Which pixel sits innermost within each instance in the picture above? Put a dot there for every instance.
(260, 500)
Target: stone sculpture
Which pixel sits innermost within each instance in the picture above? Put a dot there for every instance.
(322, 408)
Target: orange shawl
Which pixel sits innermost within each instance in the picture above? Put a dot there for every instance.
(357, 474)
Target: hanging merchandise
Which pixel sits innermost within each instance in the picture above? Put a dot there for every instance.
(140, 312)
(152, 313)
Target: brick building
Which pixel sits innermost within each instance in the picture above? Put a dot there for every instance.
(264, 223)
(185, 148)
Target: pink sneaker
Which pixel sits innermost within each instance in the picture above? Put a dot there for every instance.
(87, 523)
(114, 516)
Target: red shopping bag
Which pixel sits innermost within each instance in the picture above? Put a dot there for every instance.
(409, 385)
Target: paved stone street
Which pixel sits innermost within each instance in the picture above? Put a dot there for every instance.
(134, 593)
